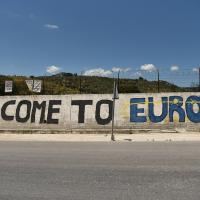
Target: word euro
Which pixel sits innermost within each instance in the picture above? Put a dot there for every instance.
(189, 108)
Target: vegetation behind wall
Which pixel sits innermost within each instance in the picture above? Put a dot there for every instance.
(66, 83)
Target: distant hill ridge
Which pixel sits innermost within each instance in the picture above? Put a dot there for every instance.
(68, 83)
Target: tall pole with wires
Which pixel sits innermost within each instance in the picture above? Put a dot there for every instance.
(199, 79)
(158, 80)
(43, 84)
(80, 83)
(118, 79)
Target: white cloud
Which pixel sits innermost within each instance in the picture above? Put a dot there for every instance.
(137, 74)
(51, 26)
(53, 69)
(195, 69)
(119, 69)
(174, 68)
(148, 67)
(97, 72)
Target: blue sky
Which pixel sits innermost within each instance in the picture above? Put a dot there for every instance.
(82, 35)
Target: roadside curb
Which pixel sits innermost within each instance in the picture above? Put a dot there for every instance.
(149, 137)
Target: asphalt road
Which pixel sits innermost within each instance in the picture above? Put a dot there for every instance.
(99, 171)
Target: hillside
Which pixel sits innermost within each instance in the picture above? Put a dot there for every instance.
(67, 83)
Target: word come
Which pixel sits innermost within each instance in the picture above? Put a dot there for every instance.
(48, 111)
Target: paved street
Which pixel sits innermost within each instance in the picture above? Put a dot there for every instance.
(99, 171)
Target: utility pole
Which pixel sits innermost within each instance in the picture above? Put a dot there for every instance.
(80, 83)
(43, 84)
(199, 80)
(158, 74)
(118, 80)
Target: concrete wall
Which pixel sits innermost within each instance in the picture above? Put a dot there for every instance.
(81, 113)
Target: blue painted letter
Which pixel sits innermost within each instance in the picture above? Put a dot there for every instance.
(152, 116)
(175, 105)
(193, 116)
(134, 110)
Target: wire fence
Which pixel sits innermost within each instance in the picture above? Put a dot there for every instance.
(186, 77)
(162, 80)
